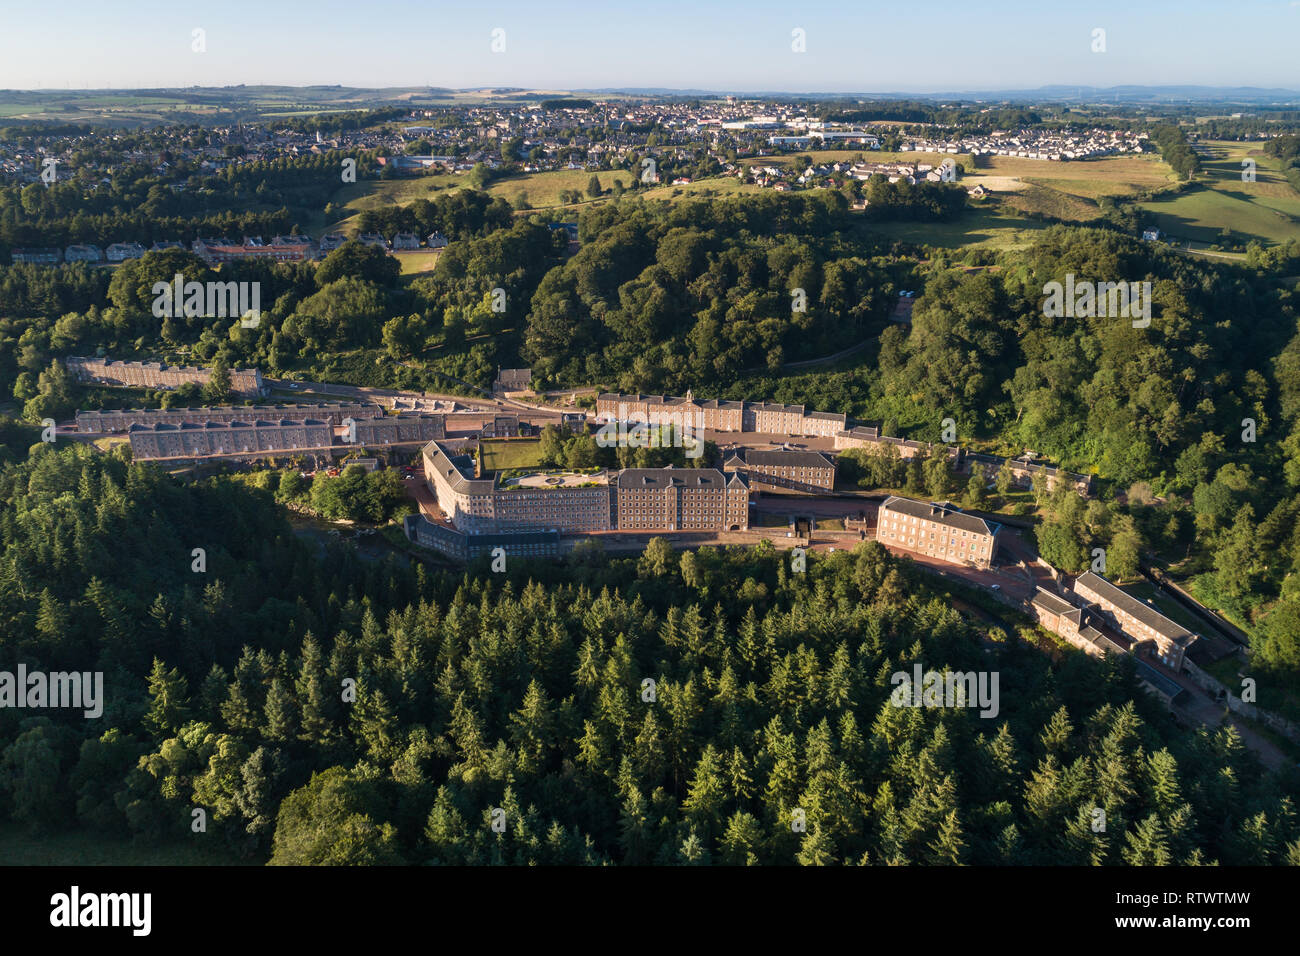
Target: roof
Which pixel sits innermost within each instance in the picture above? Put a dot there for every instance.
(632, 478)
(859, 431)
(1164, 686)
(931, 511)
(224, 426)
(780, 457)
(453, 475)
(1135, 608)
(1050, 602)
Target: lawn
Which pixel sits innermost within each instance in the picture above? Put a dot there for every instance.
(416, 262)
(508, 454)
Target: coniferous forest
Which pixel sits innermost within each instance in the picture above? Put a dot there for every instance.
(676, 708)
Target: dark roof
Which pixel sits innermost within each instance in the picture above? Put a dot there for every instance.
(503, 538)
(664, 477)
(860, 431)
(454, 476)
(1050, 602)
(1163, 685)
(936, 512)
(1138, 609)
(780, 457)
(224, 426)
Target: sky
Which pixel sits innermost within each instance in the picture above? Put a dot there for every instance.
(849, 46)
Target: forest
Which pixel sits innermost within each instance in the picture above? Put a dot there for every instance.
(672, 708)
(663, 296)
(1192, 425)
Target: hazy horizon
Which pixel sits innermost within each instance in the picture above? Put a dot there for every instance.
(676, 45)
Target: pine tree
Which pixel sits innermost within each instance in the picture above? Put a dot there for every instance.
(281, 722)
(168, 690)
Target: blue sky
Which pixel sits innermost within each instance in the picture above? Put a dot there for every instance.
(852, 45)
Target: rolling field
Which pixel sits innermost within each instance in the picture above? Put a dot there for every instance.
(543, 189)
(376, 194)
(1067, 190)
(1267, 209)
(720, 187)
(1022, 188)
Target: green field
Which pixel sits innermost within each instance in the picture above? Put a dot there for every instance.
(1267, 209)
(1068, 191)
(982, 227)
(356, 198)
(543, 189)
(508, 454)
(721, 187)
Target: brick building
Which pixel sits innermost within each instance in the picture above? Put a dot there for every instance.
(637, 499)
(186, 440)
(717, 415)
(781, 469)
(1080, 626)
(399, 429)
(246, 382)
(937, 531)
(464, 546)
(107, 421)
(1150, 630)
(680, 499)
